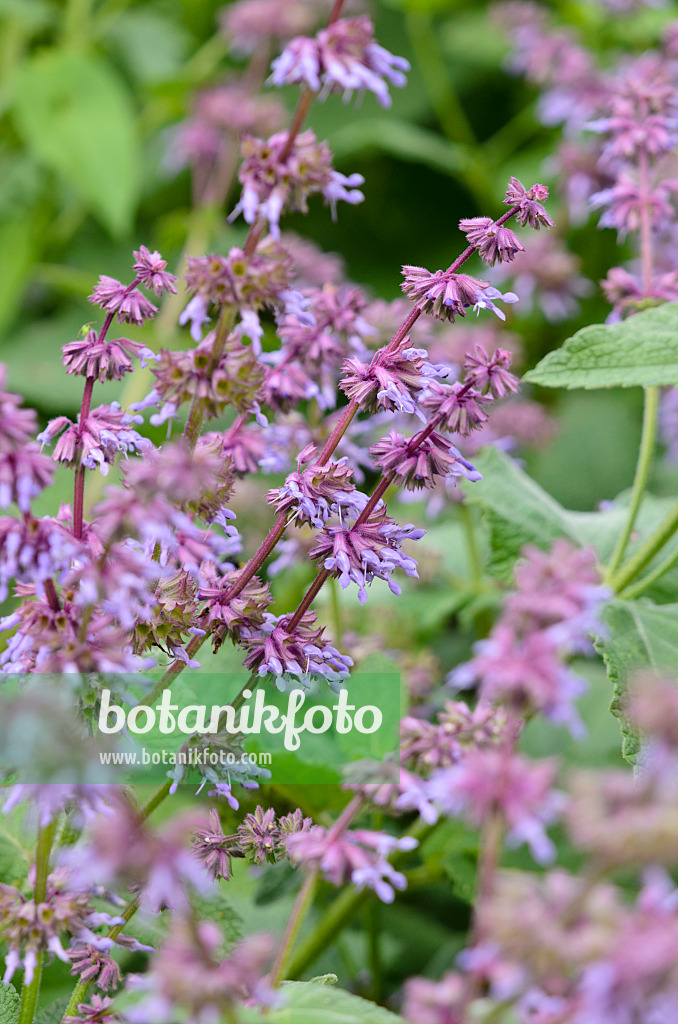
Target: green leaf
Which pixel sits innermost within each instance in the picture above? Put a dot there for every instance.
(638, 352)
(9, 1004)
(15, 858)
(152, 46)
(75, 115)
(53, 1013)
(519, 512)
(216, 907)
(640, 635)
(309, 1002)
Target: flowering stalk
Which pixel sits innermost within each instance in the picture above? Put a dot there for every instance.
(353, 407)
(302, 905)
(30, 992)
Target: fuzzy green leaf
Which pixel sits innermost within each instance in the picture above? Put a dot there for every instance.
(639, 352)
(312, 1002)
(640, 635)
(9, 1004)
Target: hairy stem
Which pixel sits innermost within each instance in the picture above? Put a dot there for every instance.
(643, 466)
(652, 546)
(297, 917)
(638, 588)
(29, 993)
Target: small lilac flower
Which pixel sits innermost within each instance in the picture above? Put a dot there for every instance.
(446, 296)
(195, 313)
(214, 849)
(530, 201)
(94, 1012)
(258, 836)
(343, 57)
(151, 271)
(190, 979)
(312, 494)
(361, 552)
(24, 474)
(128, 303)
(106, 360)
(414, 464)
(500, 782)
(105, 433)
(272, 184)
(494, 243)
(357, 856)
(276, 650)
(90, 964)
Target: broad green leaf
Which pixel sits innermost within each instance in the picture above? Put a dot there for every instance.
(639, 635)
(638, 352)
(75, 115)
(9, 1004)
(308, 1002)
(520, 512)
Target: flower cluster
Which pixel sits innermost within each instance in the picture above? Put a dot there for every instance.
(279, 174)
(549, 616)
(343, 57)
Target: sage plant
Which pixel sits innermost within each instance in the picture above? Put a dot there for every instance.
(347, 403)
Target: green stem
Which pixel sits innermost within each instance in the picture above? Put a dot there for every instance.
(29, 993)
(81, 989)
(155, 801)
(342, 910)
(634, 591)
(175, 669)
(301, 907)
(647, 443)
(646, 552)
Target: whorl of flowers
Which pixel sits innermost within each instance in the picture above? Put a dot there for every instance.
(278, 177)
(342, 58)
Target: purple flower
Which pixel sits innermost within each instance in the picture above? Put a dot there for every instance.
(105, 433)
(415, 464)
(494, 243)
(95, 1012)
(106, 360)
(151, 271)
(24, 474)
(277, 650)
(343, 57)
(246, 610)
(130, 305)
(362, 552)
(529, 201)
(356, 856)
(90, 964)
(214, 849)
(312, 494)
(190, 978)
(497, 781)
(274, 182)
(447, 296)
